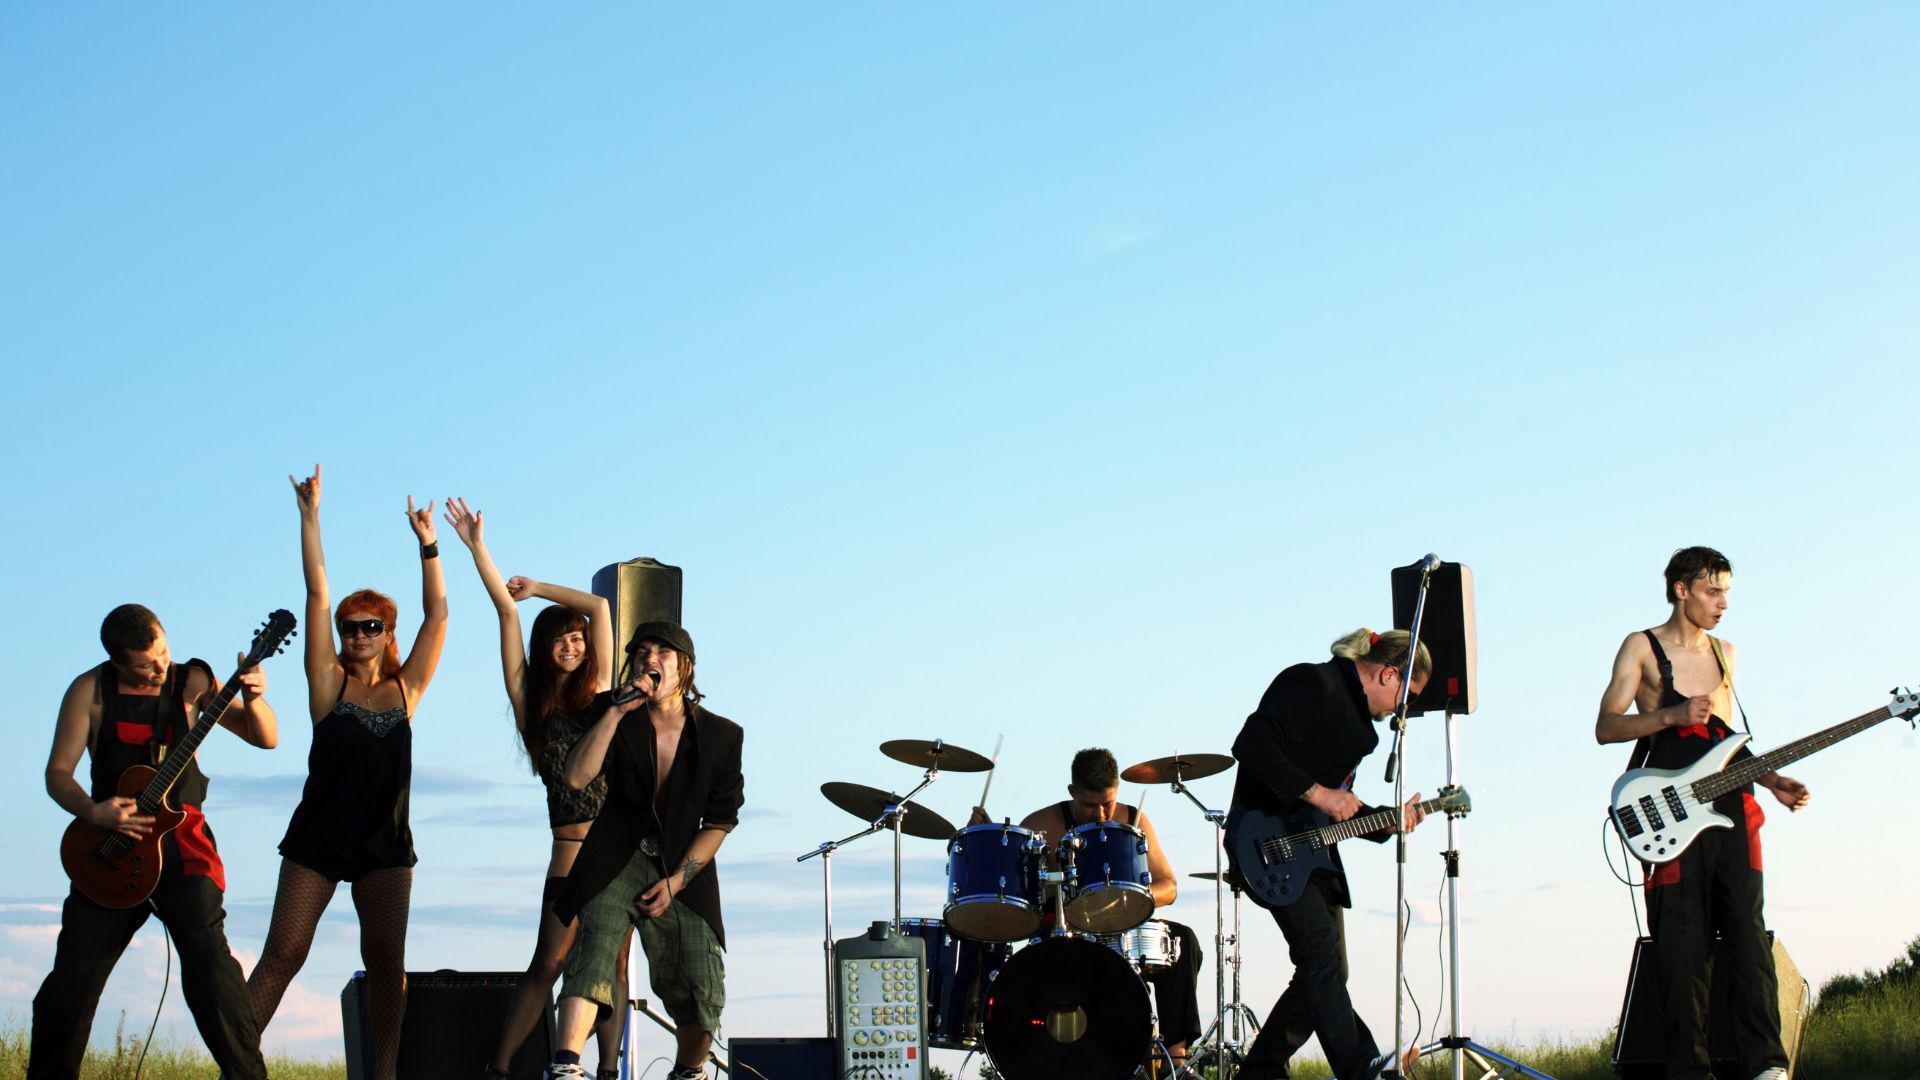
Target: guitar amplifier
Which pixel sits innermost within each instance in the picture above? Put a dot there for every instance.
(1639, 1050)
(880, 995)
(453, 1024)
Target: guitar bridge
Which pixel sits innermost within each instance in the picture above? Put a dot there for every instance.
(1629, 821)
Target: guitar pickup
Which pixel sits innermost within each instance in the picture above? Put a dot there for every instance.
(1647, 807)
(1674, 806)
(1629, 821)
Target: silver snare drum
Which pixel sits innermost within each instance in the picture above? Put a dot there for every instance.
(1149, 947)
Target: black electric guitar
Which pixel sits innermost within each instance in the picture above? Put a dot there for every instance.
(1272, 854)
(115, 870)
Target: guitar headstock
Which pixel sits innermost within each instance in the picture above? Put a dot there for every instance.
(1453, 801)
(1904, 703)
(272, 636)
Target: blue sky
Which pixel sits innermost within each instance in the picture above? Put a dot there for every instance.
(1062, 373)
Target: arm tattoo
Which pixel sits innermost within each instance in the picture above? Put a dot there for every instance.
(687, 872)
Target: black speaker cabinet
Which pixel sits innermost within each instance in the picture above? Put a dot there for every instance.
(780, 1059)
(453, 1024)
(639, 591)
(1446, 628)
(1638, 1052)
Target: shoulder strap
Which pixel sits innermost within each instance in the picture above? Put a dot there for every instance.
(1643, 746)
(1727, 673)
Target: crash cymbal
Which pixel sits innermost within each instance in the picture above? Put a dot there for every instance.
(1187, 766)
(1207, 876)
(926, 754)
(866, 804)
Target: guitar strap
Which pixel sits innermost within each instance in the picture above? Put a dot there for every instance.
(1745, 728)
(1644, 745)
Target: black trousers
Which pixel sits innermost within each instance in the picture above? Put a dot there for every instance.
(91, 941)
(1316, 1001)
(1176, 990)
(1718, 890)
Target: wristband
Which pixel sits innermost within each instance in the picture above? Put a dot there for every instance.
(429, 551)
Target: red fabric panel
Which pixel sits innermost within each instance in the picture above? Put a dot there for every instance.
(132, 734)
(1755, 819)
(197, 855)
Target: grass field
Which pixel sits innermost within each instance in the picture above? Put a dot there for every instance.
(1865, 1027)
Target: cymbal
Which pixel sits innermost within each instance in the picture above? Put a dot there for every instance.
(926, 754)
(1188, 766)
(866, 804)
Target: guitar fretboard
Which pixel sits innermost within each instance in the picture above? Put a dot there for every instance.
(1348, 829)
(1737, 776)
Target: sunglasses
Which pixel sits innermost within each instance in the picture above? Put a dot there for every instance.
(368, 627)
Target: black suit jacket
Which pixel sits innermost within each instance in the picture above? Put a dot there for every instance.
(704, 789)
(1312, 727)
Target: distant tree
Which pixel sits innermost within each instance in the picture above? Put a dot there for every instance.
(1903, 970)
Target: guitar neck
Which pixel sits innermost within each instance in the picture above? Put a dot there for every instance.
(1369, 823)
(1739, 775)
(181, 753)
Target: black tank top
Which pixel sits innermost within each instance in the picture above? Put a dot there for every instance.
(133, 726)
(1676, 748)
(1066, 815)
(353, 811)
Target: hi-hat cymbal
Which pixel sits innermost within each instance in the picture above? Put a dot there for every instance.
(1180, 766)
(867, 803)
(926, 754)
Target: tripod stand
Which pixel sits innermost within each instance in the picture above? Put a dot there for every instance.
(1489, 1063)
(1215, 1045)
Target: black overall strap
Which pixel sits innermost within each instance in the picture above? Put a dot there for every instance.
(1644, 744)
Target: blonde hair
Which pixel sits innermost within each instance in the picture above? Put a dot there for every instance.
(1388, 650)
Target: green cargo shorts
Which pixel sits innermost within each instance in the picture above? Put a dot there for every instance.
(685, 964)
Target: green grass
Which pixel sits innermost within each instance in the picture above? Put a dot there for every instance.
(164, 1061)
(1865, 1028)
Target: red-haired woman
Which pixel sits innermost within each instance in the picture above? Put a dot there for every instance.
(351, 824)
(550, 683)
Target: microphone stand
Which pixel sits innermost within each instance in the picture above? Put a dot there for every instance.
(1398, 776)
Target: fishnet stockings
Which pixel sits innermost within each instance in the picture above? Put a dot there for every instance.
(380, 898)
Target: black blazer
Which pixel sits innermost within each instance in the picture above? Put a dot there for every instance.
(704, 789)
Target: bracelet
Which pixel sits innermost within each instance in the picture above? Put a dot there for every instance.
(429, 551)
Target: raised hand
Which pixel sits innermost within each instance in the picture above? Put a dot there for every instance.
(421, 521)
(522, 588)
(466, 523)
(307, 492)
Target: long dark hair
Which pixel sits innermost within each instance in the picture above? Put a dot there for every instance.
(548, 690)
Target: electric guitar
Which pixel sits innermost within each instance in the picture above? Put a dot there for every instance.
(1272, 854)
(115, 870)
(1658, 812)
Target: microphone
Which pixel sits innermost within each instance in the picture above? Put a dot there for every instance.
(1428, 564)
(624, 694)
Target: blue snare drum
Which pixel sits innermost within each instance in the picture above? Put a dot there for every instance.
(993, 883)
(1108, 887)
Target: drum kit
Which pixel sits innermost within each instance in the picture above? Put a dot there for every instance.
(1039, 953)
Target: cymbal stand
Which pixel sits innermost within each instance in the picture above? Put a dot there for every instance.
(888, 819)
(1225, 1048)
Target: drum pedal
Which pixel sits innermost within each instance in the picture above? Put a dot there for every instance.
(880, 1001)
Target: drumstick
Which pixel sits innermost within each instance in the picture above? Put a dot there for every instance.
(988, 786)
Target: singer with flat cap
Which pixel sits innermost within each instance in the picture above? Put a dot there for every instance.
(674, 791)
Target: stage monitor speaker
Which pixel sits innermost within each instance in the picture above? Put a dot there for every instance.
(1639, 1052)
(1447, 629)
(781, 1059)
(452, 1027)
(639, 590)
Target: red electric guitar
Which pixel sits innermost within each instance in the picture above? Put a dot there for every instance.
(115, 870)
